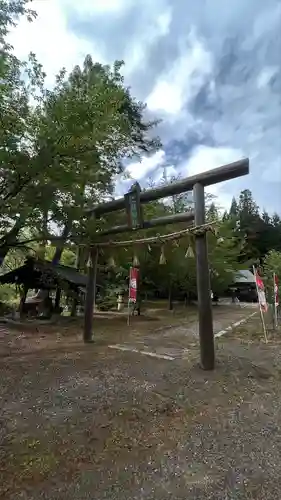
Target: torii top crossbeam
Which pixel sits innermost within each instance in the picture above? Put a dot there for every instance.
(214, 176)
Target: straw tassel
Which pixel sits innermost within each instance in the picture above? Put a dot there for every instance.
(162, 259)
(136, 261)
(189, 253)
(111, 262)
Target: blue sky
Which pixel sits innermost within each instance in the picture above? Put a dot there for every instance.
(210, 69)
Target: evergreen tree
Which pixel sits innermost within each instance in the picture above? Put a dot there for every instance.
(248, 210)
(212, 212)
(225, 216)
(265, 217)
(233, 212)
(276, 220)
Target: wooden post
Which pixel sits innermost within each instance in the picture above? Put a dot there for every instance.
(90, 295)
(57, 298)
(24, 293)
(205, 316)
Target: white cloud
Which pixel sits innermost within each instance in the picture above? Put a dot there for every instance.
(187, 75)
(267, 21)
(272, 174)
(137, 50)
(205, 158)
(56, 46)
(142, 170)
(49, 38)
(202, 158)
(96, 6)
(265, 76)
(159, 173)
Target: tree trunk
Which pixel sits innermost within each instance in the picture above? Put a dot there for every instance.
(3, 253)
(90, 296)
(74, 305)
(43, 243)
(77, 266)
(60, 246)
(7, 241)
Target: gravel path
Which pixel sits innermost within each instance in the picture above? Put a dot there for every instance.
(101, 424)
(178, 341)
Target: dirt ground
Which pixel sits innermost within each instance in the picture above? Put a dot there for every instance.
(94, 422)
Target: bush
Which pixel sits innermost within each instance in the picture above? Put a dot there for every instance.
(107, 303)
(8, 294)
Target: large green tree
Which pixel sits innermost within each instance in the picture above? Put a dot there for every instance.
(62, 148)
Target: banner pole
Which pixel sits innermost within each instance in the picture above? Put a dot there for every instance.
(129, 297)
(275, 300)
(128, 317)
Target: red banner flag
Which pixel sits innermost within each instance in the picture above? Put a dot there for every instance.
(133, 286)
(259, 282)
(260, 291)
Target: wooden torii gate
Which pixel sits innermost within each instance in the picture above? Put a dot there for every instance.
(134, 199)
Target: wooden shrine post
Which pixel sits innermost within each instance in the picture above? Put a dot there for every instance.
(205, 312)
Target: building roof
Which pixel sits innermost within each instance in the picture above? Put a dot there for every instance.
(43, 274)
